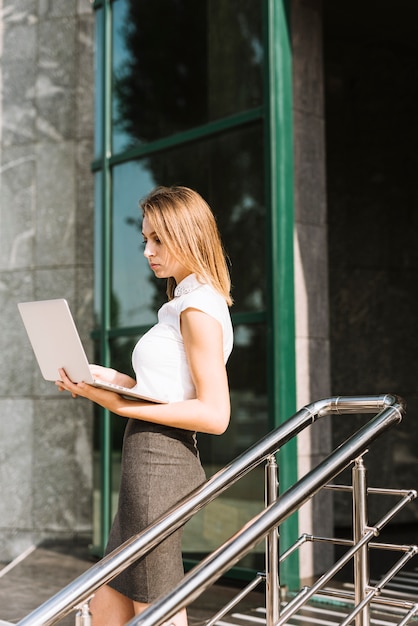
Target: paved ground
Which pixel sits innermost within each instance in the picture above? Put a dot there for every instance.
(47, 569)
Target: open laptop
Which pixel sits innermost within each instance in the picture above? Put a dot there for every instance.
(56, 343)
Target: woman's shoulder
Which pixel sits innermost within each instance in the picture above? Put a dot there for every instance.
(193, 293)
(203, 295)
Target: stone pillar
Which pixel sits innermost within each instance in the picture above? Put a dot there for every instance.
(311, 265)
(46, 251)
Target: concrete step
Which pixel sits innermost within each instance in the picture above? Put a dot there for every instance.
(330, 608)
(311, 614)
(42, 571)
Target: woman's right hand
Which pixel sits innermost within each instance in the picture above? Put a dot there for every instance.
(107, 374)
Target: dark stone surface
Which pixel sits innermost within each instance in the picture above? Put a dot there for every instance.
(371, 131)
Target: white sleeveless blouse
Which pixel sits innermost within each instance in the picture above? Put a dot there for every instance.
(159, 358)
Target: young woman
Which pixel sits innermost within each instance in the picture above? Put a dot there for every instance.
(185, 355)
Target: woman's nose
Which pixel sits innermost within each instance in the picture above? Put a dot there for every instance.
(148, 250)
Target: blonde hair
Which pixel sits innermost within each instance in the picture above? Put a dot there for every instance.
(185, 224)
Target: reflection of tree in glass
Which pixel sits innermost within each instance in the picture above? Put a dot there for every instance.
(161, 89)
(189, 62)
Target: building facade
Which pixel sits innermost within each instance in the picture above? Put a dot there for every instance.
(46, 243)
(268, 109)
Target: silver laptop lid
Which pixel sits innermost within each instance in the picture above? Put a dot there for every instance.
(55, 340)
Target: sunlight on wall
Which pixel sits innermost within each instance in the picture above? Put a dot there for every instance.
(302, 387)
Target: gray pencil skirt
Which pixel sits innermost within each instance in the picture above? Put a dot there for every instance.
(160, 465)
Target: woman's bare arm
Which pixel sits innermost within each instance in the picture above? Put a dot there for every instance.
(209, 412)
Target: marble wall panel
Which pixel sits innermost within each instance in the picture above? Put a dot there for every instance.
(18, 72)
(16, 436)
(84, 227)
(46, 251)
(56, 282)
(57, 8)
(84, 73)
(20, 37)
(14, 542)
(17, 208)
(56, 208)
(58, 476)
(16, 358)
(84, 7)
(83, 307)
(19, 11)
(83, 466)
(18, 103)
(56, 79)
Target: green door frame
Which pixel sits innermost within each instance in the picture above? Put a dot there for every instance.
(281, 321)
(105, 287)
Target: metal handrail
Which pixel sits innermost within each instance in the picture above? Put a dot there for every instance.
(304, 595)
(212, 567)
(81, 589)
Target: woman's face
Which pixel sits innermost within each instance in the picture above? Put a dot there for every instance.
(162, 263)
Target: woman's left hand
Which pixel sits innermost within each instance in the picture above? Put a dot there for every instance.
(100, 396)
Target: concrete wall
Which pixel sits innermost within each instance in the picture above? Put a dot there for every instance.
(46, 251)
(311, 265)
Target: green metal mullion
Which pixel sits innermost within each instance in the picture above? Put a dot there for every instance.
(194, 134)
(249, 317)
(279, 147)
(106, 435)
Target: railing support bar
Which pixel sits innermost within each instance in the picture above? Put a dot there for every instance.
(361, 558)
(83, 616)
(412, 613)
(240, 596)
(272, 547)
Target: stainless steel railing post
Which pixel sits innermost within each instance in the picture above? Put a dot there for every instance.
(272, 547)
(360, 521)
(83, 616)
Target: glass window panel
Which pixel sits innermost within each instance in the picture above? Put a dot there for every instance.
(227, 171)
(121, 349)
(247, 372)
(181, 63)
(247, 376)
(136, 294)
